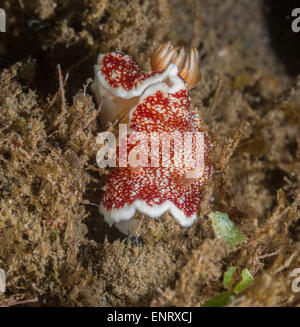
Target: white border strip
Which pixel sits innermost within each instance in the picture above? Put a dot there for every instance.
(128, 211)
(171, 72)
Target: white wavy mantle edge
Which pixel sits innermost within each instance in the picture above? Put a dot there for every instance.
(128, 211)
(170, 72)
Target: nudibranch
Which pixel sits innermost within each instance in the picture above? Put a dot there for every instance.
(156, 104)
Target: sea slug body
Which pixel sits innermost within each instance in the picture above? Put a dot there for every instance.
(156, 104)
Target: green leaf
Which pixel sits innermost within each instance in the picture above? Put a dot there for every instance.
(56, 230)
(247, 280)
(225, 297)
(225, 228)
(219, 300)
(227, 279)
